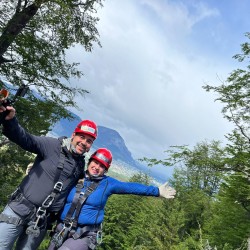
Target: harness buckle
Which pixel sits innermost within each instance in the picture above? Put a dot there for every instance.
(68, 225)
(90, 189)
(99, 237)
(10, 219)
(48, 201)
(58, 186)
(41, 212)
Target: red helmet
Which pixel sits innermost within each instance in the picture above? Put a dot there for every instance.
(87, 127)
(102, 155)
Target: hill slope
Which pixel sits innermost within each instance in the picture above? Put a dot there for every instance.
(123, 165)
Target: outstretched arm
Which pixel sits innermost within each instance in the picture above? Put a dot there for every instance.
(118, 187)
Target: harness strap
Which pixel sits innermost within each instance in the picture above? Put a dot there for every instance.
(18, 195)
(60, 166)
(77, 205)
(84, 229)
(58, 185)
(10, 219)
(79, 187)
(81, 200)
(34, 227)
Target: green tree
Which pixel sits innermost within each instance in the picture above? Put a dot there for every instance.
(201, 167)
(137, 222)
(234, 94)
(229, 224)
(35, 37)
(197, 178)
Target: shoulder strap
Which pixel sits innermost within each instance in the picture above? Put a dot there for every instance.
(77, 205)
(81, 201)
(69, 215)
(41, 211)
(60, 165)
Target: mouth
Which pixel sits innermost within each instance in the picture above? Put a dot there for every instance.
(94, 171)
(81, 147)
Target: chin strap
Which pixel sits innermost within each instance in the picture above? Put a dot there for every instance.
(93, 177)
(70, 147)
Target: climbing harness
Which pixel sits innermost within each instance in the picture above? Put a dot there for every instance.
(34, 227)
(69, 224)
(41, 213)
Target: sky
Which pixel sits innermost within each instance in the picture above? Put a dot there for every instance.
(146, 80)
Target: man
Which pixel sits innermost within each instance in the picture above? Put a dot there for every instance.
(58, 166)
(81, 218)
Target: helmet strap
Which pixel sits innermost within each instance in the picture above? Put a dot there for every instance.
(72, 149)
(94, 177)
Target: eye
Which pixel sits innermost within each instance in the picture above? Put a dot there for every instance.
(89, 141)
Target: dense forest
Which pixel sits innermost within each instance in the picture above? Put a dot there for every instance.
(212, 207)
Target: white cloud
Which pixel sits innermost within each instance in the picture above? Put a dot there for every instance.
(146, 80)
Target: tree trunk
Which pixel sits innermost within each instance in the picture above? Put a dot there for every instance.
(15, 25)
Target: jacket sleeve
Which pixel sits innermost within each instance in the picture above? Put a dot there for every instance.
(17, 134)
(119, 187)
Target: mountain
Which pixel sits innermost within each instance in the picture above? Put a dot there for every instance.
(123, 164)
(112, 140)
(107, 138)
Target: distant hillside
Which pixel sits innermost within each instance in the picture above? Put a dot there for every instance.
(123, 162)
(107, 138)
(112, 140)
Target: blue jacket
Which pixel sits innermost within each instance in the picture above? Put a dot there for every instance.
(92, 212)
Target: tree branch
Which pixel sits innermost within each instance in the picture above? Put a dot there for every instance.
(15, 25)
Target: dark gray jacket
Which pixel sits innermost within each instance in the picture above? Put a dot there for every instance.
(39, 183)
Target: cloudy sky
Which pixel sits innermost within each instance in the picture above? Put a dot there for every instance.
(146, 80)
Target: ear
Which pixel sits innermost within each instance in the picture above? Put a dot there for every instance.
(72, 136)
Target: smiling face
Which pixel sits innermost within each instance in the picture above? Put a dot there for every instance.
(81, 142)
(95, 168)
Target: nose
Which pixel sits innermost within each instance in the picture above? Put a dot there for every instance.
(83, 141)
(97, 166)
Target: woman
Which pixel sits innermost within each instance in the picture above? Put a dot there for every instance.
(80, 221)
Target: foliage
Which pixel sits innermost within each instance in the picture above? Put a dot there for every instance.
(135, 222)
(35, 37)
(213, 182)
(234, 94)
(229, 222)
(200, 168)
(200, 174)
